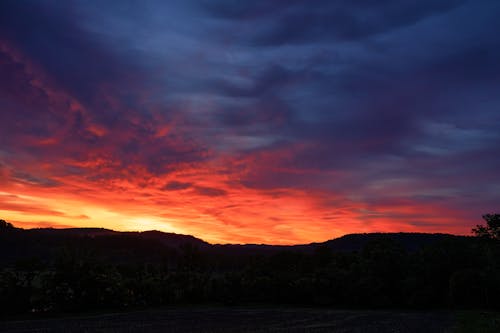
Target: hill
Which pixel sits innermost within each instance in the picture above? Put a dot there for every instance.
(42, 243)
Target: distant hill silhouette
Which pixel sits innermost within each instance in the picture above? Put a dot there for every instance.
(19, 243)
(410, 241)
(347, 243)
(167, 238)
(45, 243)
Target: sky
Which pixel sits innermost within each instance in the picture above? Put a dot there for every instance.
(278, 122)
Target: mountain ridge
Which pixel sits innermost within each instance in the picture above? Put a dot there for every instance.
(350, 242)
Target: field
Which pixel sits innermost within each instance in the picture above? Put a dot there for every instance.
(255, 320)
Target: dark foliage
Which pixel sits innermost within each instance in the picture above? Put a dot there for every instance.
(4, 225)
(74, 270)
(492, 228)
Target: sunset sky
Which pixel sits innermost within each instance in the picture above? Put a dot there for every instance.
(278, 122)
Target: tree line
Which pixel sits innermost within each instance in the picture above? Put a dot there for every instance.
(111, 272)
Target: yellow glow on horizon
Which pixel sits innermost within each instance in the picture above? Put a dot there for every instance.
(145, 223)
(241, 215)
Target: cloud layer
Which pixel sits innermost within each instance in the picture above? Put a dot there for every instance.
(276, 122)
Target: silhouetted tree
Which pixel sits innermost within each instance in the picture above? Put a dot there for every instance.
(5, 225)
(492, 228)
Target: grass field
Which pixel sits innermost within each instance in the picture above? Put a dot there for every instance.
(219, 319)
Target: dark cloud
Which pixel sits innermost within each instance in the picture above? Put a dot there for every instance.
(260, 116)
(34, 180)
(303, 22)
(270, 81)
(176, 185)
(76, 59)
(209, 191)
